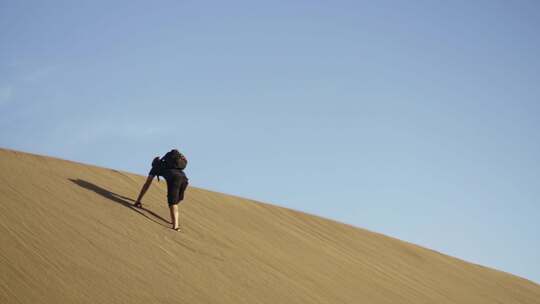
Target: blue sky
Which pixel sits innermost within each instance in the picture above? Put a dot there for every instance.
(417, 119)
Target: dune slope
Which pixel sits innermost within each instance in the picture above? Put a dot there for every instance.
(68, 234)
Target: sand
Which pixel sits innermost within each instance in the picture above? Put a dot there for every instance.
(69, 234)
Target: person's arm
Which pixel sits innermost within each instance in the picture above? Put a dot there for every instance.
(143, 190)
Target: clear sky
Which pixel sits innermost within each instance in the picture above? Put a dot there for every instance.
(416, 119)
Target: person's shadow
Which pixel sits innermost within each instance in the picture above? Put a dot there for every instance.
(117, 198)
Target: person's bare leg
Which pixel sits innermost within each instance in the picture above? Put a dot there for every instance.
(174, 216)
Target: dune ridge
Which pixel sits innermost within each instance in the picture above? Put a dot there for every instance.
(69, 234)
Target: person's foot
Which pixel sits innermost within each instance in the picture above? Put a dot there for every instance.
(138, 205)
(176, 228)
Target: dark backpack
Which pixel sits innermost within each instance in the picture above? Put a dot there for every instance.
(174, 160)
(171, 160)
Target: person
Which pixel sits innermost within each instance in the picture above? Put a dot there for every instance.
(171, 167)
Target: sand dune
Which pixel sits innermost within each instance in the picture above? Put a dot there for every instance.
(68, 234)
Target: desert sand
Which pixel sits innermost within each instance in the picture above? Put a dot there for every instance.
(68, 234)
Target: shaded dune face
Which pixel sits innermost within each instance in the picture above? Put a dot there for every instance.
(69, 234)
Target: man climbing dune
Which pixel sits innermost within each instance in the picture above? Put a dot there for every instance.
(171, 167)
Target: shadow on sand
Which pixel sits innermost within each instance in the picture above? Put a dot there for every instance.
(117, 198)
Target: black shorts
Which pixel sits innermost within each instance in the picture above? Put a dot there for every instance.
(177, 183)
(175, 190)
